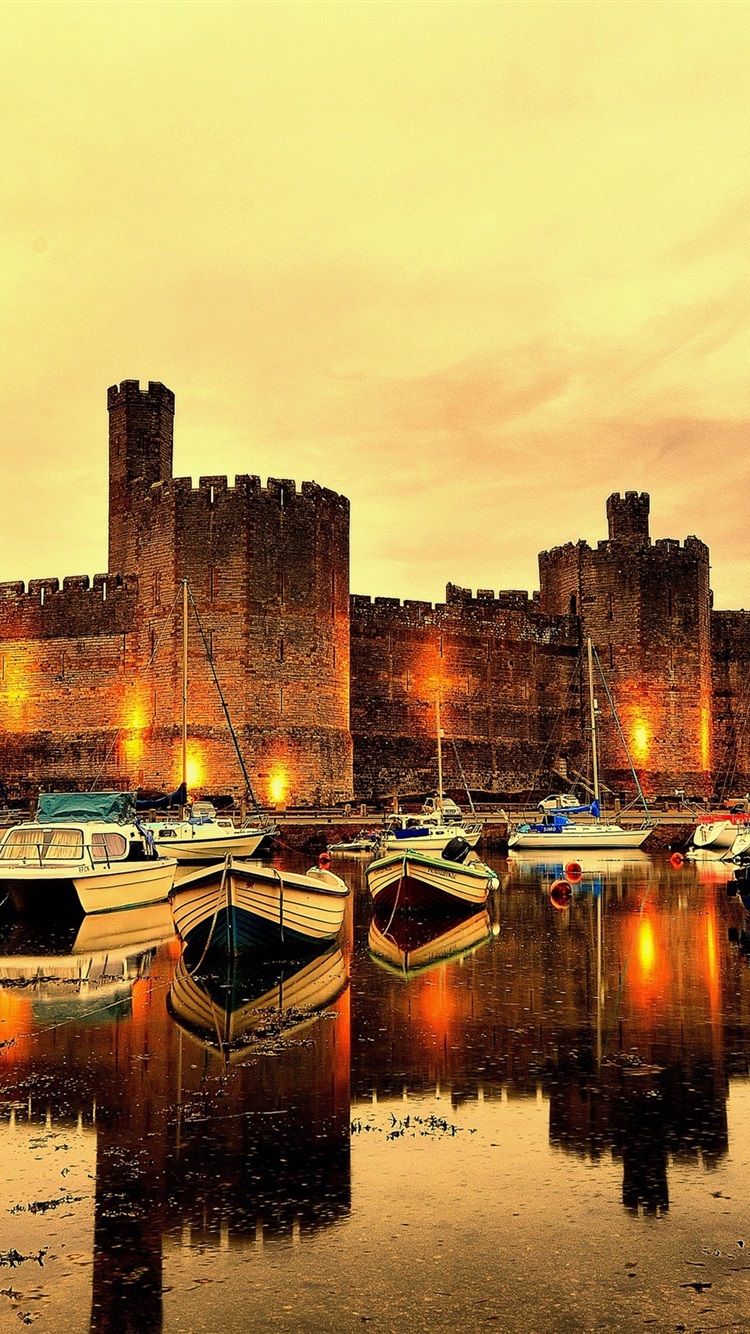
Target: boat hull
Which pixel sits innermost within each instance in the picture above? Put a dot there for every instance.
(414, 882)
(716, 834)
(213, 849)
(407, 946)
(239, 907)
(104, 889)
(573, 839)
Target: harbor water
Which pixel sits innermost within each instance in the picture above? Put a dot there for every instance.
(531, 1119)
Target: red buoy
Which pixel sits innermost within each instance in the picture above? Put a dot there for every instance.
(573, 872)
(560, 894)
(324, 860)
(676, 859)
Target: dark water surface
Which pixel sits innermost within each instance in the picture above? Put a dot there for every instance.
(533, 1120)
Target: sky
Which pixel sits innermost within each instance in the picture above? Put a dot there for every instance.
(476, 266)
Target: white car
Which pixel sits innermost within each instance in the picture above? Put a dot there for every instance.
(559, 802)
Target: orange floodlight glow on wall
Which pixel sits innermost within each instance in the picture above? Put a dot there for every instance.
(197, 768)
(278, 785)
(640, 739)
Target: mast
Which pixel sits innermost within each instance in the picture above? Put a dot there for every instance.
(439, 750)
(592, 707)
(184, 681)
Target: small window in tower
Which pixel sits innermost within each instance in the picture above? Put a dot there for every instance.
(611, 657)
(334, 655)
(573, 605)
(210, 645)
(610, 612)
(440, 646)
(2, 669)
(41, 595)
(281, 699)
(281, 650)
(157, 589)
(281, 585)
(211, 497)
(211, 583)
(104, 590)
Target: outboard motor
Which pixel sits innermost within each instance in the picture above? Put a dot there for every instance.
(456, 851)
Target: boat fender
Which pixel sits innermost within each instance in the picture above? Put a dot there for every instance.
(457, 850)
(324, 860)
(560, 894)
(573, 873)
(676, 859)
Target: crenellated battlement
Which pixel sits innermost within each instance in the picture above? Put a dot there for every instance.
(130, 392)
(47, 592)
(215, 491)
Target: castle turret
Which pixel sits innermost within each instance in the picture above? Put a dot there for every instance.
(627, 517)
(140, 446)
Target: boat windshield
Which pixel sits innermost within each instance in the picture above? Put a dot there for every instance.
(42, 844)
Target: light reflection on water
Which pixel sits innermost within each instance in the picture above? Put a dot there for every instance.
(533, 1117)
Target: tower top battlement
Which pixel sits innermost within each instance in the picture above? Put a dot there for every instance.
(627, 517)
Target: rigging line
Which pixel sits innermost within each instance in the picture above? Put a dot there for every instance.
(569, 694)
(463, 776)
(224, 705)
(620, 731)
(149, 664)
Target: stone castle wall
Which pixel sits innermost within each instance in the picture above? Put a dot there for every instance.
(90, 673)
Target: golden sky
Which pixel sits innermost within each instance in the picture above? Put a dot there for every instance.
(473, 265)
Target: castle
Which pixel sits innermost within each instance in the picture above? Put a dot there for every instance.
(333, 697)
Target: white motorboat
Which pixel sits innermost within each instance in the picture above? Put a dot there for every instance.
(430, 832)
(413, 881)
(559, 829)
(240, 906)
(718, 832)
(85, 849)
(204, 836)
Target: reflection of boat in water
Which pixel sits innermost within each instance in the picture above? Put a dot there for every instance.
(611, 861)
(73, 973)
(365, 841)
(408, 946)
(84, 850)
(414, 881)
(240, 906)
(232, 1005)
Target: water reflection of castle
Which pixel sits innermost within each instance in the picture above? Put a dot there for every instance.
(188, 1151)
(625, 1011)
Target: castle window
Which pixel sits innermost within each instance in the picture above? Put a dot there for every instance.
(211, 581)
(441, 646)
(104, 590)
(2, 669)
(210, 645)
(211, 496)
(610, 613)
(611, 657)
(334, 655)
(281, 650)
(281, 585)
(42, 591)
(281, 699)
(573, 605)
(157, 589)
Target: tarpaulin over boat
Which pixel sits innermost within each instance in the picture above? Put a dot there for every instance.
(59, 807)
(163, 801)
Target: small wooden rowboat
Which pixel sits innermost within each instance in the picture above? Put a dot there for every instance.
(237, 906)
(412, 881)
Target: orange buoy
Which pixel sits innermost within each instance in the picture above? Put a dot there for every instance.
(560, 894)
(676, 859)
(324, 860)
(573, 872)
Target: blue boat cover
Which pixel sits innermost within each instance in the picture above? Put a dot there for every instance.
(62, 807)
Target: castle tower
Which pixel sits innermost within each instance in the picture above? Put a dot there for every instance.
(140, 446)
(647, 608)
(627, 517)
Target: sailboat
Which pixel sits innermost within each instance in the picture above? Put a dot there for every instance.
(439, 822)
(558, 830)
(202, 835)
